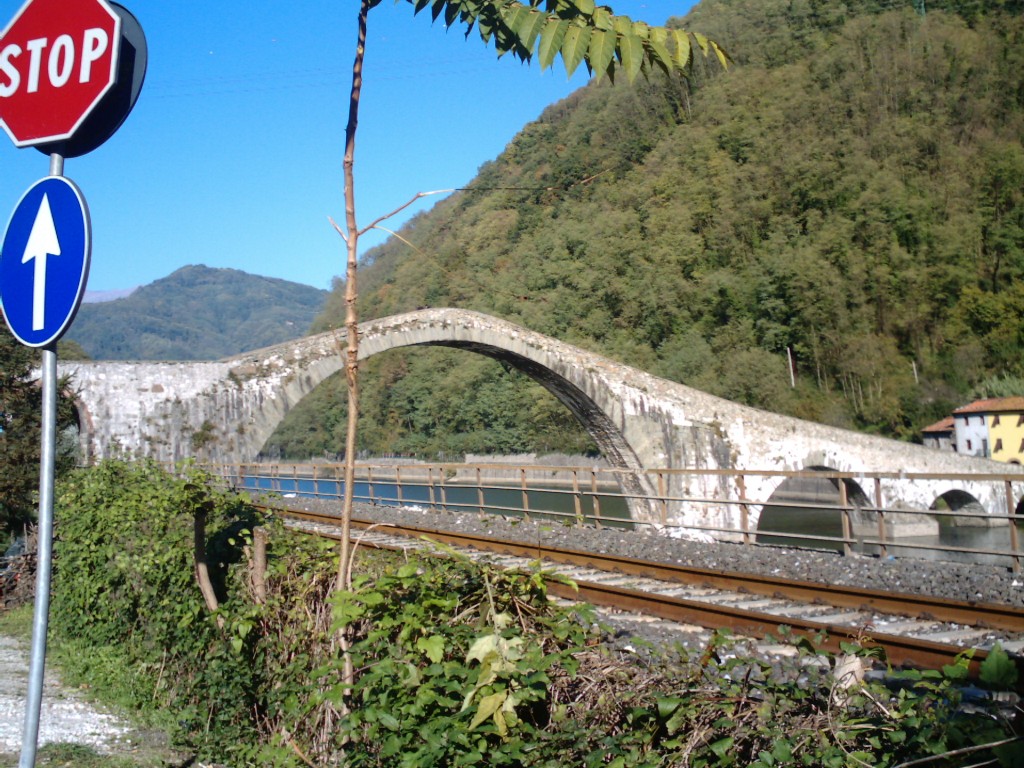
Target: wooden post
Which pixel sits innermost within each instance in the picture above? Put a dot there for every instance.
(741, 486)
(661, 496)
(845, 512)
(577, 502)
(398, 485)
(1011, 513)
(884, 551)
(597, 501)
(479, 491)
(430, 488)
(369, 481)
(525, 493)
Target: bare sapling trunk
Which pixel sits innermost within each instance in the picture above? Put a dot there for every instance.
(351, 294)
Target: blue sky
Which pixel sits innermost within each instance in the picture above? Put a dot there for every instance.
(232, 156)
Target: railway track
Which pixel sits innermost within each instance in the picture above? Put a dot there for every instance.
(914, 630)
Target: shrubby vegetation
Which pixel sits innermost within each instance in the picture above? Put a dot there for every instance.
(852, 191)
(456, 663)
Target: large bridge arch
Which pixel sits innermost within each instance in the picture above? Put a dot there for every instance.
(225, 411)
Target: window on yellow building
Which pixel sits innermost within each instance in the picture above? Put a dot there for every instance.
(999, 445)
(995, 422)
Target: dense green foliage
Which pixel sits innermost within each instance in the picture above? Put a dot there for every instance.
(850, 192)
(415, 403)
(125, 595)
(457, 663)
(20, 428)
(197, 313)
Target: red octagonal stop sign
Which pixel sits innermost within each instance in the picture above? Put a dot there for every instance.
(57, 59)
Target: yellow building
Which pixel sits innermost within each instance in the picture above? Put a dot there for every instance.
(993, 428)
(1006, 430)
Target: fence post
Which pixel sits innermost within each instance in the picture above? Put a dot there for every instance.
(430, 489)
(596, 500)
(845, 511)
(442, 474)
(369, 481)
(398, 485)
(479, 491)
(1011, 513)
(884, 551)
(741, 486)
(576, 500)
(525, 493)
(661, 497)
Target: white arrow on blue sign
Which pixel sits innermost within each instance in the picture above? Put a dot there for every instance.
(44, 262)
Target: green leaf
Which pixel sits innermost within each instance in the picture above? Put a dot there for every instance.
(574, 47)
(432, 646)
(601, 51)
(624, 25)
(723, 57)
(722, 746)
(528, 26)
(631, 54)
(998, 670)
(667, 706)
(683, 53)
(551, 38)
(487, 707)
(702, 41)
(603, 19)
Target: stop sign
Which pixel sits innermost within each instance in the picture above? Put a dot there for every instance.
(57, 59)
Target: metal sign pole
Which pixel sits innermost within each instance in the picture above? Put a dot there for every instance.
(47, 468)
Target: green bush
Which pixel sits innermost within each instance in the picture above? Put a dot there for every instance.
(124, 586)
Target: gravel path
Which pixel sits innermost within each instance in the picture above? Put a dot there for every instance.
(65, 716)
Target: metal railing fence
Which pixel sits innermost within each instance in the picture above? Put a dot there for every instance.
(574, 495)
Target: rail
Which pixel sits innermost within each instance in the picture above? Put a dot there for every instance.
(815, 509)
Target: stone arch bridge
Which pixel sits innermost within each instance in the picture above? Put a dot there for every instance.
(224, 411)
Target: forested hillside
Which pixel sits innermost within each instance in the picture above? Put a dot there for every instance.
(197, 313)
(851, 192)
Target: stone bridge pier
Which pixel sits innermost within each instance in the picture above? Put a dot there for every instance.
(225, 411)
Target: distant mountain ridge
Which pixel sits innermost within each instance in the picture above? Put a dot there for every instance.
(197, 313)
(98, 297)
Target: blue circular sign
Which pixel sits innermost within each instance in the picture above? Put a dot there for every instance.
(44, 262)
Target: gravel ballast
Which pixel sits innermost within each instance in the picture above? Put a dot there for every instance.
(955, 581)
